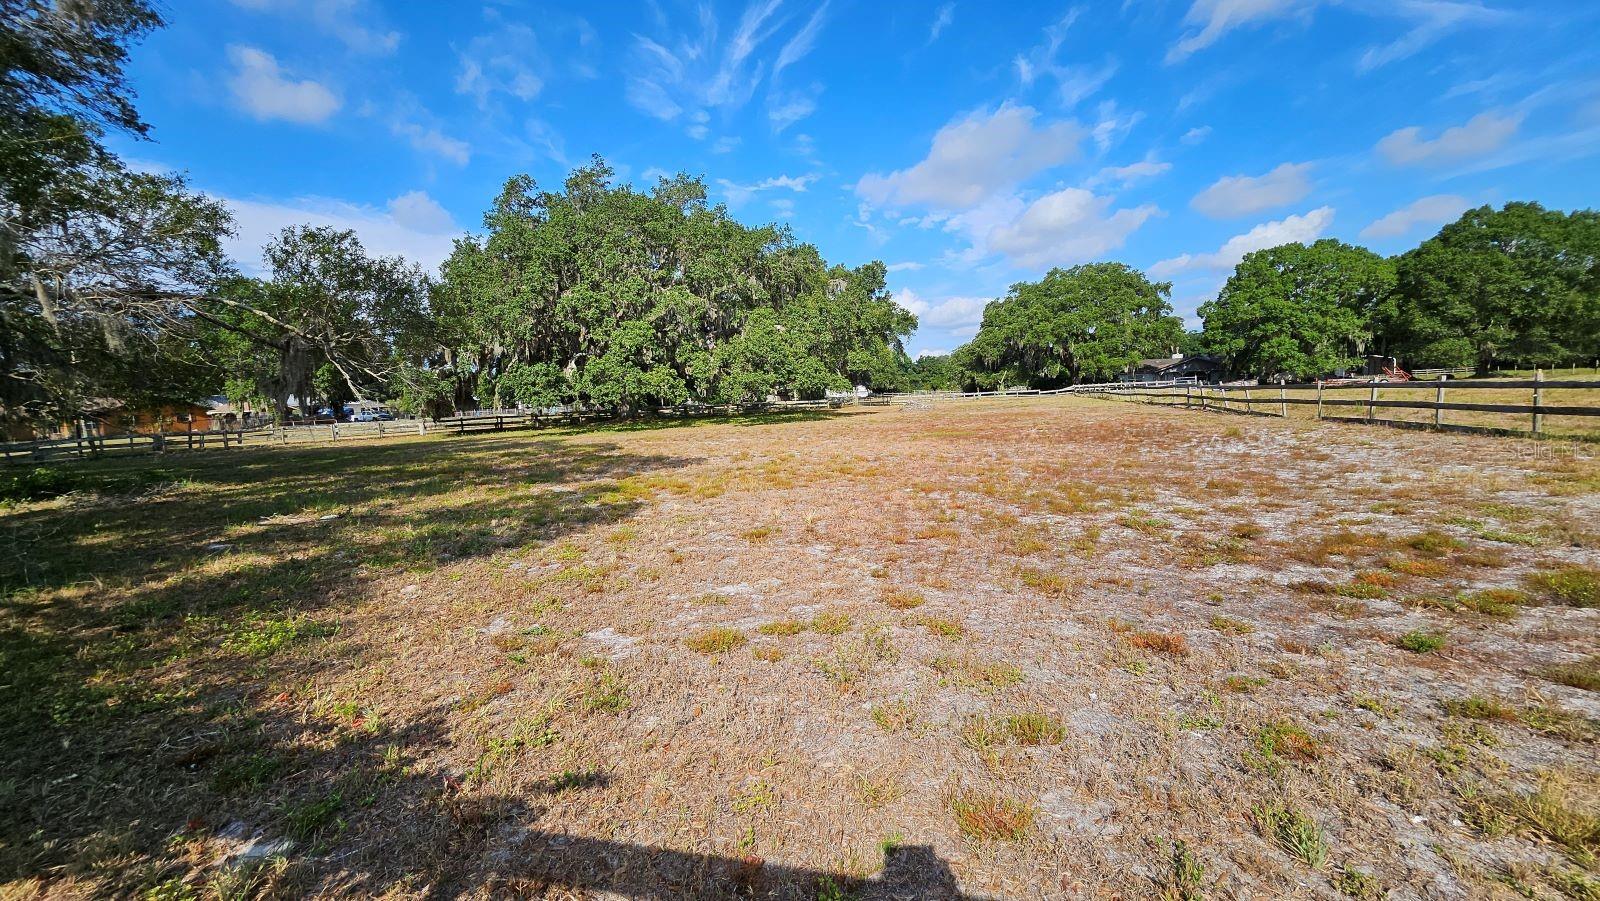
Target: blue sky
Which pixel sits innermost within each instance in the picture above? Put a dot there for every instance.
(969, 145)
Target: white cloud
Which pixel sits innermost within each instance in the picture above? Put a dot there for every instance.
(1434, 19)
(739, 194)
(908, 266)
(1290, 230)
(409, 228)
(434, 141)
(786, 108)
(416, 210)
(262, 89)
(1241, 195)
(1196, 135)
(507, 60)
(1066, 227)
(695, 71)
(948, 313)
(974, 158)
(1127, 175)
(799, 46)
(941, 21)
(1074, 83)
(1482, 134)
(1112, 127)
(1209, 20)
(346, 20)
(1434, 210)
(726, 144)
(932, 352)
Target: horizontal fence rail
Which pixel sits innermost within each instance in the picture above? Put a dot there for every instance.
(328, 431)
(1329, 398)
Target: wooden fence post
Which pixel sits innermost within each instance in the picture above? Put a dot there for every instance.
(1283, 401)
(1438, 399)
(1372, 397)
(1319, 399)
(1538, 401)
(1247, 407)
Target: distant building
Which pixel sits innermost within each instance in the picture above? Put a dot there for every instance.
(1203, 367)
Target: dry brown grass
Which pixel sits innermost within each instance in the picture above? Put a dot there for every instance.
(684, 661)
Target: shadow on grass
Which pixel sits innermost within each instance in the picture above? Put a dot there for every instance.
(141, 660)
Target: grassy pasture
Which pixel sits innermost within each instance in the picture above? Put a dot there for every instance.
(1060, 646)
(1562, 426)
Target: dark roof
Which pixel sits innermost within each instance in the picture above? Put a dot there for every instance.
(1165, 363)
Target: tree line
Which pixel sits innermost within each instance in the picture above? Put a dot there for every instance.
(1520, 283)
(114, 286)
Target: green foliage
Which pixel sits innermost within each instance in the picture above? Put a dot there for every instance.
(45, 482)
(1296, 310)
(1520, 283)
(1087, 323)
(610, 297)
(1293, 831)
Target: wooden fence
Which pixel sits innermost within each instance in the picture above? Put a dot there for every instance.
(472, 423)
(1332, 401)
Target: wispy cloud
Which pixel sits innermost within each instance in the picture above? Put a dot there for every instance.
(351, 21)
(1434, 19)
(683, 76)
(1074, 83)
(941, 20)
(739, 194)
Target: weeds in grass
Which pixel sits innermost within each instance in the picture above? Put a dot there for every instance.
(902, 599)
(1584, 674)
(1167, 643)
(1278, 743)
(1231, 626)
(943, 627)
(878, 791)
(1293, 831)
(970, 671)
(783, 627)
(609, 694)
(1500, 603)
(1575, 586)
(1035, 729)
(853, 659)
(1144, 523)
(1433, 544)
(1479, 707)
(831, 622)
(1050, 584)
(767, 654)
(1354, 883)
(758, 534)
(984, 817)
(1563, 809)
(262, 636)
(1418, 641)
(1243, 684)
(307, 820)
(716, 640)
(1185, 876)
(894, 716)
